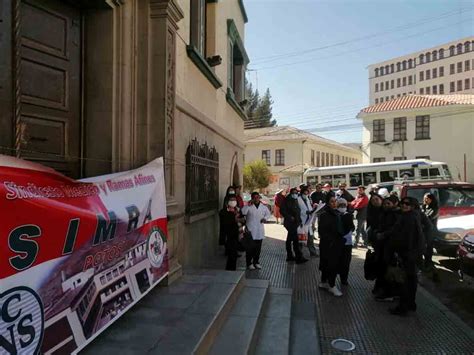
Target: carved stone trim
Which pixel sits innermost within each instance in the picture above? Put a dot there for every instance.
(166, 9)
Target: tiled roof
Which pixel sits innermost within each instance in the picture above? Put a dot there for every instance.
(419, 101)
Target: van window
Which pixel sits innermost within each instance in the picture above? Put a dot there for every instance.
(339, 178)
(407, 173)
(447, 173)
(312, 181)
(326, 179)
(420, 193)
(355, 179)
(370, 178)
(389, 175)
(424, 173)
(434, 173)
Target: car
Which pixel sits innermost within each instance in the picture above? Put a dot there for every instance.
(466, 254)
(451, 231)
(455, 198)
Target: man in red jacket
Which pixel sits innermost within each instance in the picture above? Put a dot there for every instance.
(360, 205)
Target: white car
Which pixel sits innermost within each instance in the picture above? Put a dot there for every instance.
(452, 230)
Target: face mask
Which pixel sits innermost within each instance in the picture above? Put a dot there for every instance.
(305, 197)
(231, 192)
(232, 204)
(294, 196)
(342, 209)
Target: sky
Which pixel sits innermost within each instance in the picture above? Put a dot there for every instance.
(313, 55)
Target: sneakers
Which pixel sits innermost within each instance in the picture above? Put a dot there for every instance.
(324, 285)
(335, 291)
(250, 267)
(258, 266)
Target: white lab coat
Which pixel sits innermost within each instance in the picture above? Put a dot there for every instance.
(307, 221)
(253, 216)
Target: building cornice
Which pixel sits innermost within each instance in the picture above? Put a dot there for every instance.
(166, 9)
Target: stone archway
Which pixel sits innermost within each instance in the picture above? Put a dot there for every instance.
(236, 175)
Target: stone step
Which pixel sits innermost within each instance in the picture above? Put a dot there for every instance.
(183, 318)
(304, 335)
(274, 329)
(238, 336)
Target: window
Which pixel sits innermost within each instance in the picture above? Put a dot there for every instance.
(332, 159)
(237, 61)
(459, 48)
(386, 85)
(392, 84)
(198, 26)
(327, 159)
(392, 97)
(451, 50)
(441, 53)
(435, 90)
(441, 89)
(381, 99)
(399, 66)
(404, 65)
(377, 87)
(435, 73)
(422, 91)
(422, 75)
(398, 95)
(428, 90)
(452, 68)
(428, 57)
(399, 158)
(422, 58)
(467, 84)
(467, 46)
(355, 179)
(459, 67)
(467, 65)
(318, 159)
(338, 178)
(459, 85)
(428, 75)
(435, 55)
(392, 68)
(404, 80)
(386, 98)
(326, 179)
(376, 72)
(410, 63)
(379, 131)
(387, 71)
(376, 101)
(441, 71)
(312, 157)
(369, 178)
(452, 86)
(280, 157)
(389, 175)
(378, 160)
(266, 156)
(404, 94)
(400, 129)
(422, 127)
(410, 80)
(381, 86)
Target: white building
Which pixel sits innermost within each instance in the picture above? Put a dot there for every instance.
(436, 127)
(289, 151)
(445, 69)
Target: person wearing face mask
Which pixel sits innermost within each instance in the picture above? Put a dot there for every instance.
(292, 220)
(230, 192)
(230, 230)
(307, 214)
(348, 226)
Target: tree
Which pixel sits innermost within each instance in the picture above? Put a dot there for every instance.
(256, 175)
(259, 109)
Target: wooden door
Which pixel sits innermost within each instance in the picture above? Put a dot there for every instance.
(50, 84)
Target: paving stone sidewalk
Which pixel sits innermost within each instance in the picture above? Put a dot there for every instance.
(433, 329)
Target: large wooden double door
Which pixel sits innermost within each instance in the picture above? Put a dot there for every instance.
(44, 45)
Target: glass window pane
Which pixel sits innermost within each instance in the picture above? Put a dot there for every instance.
(389, 175)
(370, 178)
(326, 179)
(355, 179)
(407, 173)
(339, 178)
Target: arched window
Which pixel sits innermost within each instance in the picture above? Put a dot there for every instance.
(404, 65)
(459, 48)
(392, 68)
(381, 71)
(422, 58)
(428, 57)
(451, 50)
(376, 72)
(467, 46)
(441, 53)
(435, 55)
(387, 69)
(410, 63)
(398, 66)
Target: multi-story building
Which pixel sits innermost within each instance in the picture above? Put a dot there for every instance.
(436, 127)
(289, 151)
(441, 70)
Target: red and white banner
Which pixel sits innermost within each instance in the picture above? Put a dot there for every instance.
(75, 255)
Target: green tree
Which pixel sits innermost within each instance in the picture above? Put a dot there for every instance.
(259, 109)
(256, 175)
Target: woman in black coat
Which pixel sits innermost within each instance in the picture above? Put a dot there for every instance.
(331, 245)
(431, 210)
(230, 220)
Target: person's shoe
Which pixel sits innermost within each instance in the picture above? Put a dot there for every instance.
(398, 311)
(290, 258)
(324, 286)
(258, 266)
(335, 291)
(250, 267)
(301, 260)
(384, 298)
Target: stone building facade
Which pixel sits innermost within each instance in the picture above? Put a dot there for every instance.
(91, 87)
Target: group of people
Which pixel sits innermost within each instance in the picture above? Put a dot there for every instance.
(400, 232)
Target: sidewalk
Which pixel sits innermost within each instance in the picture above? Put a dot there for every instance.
(356, 316)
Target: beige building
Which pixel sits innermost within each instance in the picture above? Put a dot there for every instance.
(103, 86)
(444, 69)
(436, 127)
(289, 151)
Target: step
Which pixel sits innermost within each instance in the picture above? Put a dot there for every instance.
(304, 335)
(274, 329)
(182, 318)
(237, 336)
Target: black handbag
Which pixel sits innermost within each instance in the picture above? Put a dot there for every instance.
(247, 241)
(370, 265)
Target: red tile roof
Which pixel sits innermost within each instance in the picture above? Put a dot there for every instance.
(419, 101)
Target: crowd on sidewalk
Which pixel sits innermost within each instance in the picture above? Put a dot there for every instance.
(399, 234)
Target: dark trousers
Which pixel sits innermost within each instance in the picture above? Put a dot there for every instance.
(232, 245)
(311, 247)
(329, 275)
(428, 254)
(253, 256)
(345, 263)
(360, 231)
(292, 239)
(409, 287)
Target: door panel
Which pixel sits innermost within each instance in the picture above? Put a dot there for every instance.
(50, 84)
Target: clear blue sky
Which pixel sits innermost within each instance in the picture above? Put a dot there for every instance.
(320, 88)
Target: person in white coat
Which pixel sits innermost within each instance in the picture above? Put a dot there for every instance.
(306, 213)
(256, 214)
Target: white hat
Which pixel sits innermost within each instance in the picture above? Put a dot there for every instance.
(383, 192)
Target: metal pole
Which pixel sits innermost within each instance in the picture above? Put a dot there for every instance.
(465, 167)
